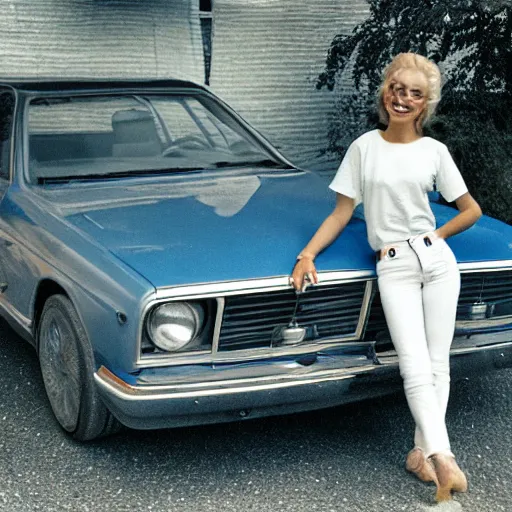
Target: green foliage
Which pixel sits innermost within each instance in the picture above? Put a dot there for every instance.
(472, 41)
(480, 30)
(479, 135)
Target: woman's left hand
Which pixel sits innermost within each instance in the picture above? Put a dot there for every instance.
(469, 213)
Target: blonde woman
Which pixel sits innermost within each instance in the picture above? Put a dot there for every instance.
(390, 172)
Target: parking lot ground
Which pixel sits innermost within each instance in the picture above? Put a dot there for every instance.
(348, 458)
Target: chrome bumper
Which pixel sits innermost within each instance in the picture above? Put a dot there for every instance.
(269, 388)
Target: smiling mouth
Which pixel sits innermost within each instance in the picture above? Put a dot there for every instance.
(400, 109)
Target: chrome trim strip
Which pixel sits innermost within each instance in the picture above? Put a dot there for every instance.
(247, 286)
(141, 393)
(364, 309)
(496, 346)
(240, 356)
(226, 288)
(221, 303)
(483, 324)
(491, 266)
(286, 350)
(24, 322)
(162, 359)
(393, 358)
(106, 375)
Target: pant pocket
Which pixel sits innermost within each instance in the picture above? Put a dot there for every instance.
(437, 258)
(431, 254)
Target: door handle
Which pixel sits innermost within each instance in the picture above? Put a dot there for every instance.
(3, 287)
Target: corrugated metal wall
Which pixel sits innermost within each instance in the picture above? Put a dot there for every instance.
(267, 55)
(101, 38)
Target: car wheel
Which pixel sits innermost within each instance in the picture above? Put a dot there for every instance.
(67, 366)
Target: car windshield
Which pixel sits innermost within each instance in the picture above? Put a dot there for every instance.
(100, 137)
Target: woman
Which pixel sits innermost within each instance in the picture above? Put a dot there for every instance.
(390, 172)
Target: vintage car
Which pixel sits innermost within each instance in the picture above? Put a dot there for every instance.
(147, 234)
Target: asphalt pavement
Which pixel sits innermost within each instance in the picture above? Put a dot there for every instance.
(349, 458)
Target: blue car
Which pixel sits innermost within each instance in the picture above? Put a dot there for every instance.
(147, 233)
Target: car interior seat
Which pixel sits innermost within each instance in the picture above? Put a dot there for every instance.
(135, 134)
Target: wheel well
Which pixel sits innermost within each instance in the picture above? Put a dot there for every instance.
(46, 289)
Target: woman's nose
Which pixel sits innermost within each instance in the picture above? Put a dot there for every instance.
(405, 95)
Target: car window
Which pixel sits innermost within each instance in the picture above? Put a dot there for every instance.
(111, 136)
(176, 115)
(191, 118)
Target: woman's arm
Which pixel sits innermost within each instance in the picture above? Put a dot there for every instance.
(330, 229)
(470, 212)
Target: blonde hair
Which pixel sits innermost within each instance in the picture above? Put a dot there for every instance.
(432, 74)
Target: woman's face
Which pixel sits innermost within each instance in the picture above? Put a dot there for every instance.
(405, 96)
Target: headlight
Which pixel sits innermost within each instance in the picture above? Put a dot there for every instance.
(173, 325)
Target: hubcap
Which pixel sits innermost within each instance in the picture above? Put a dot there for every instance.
(59, 361)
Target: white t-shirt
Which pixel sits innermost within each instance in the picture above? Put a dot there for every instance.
(392, 181)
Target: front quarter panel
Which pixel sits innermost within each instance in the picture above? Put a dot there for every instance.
(44, 248)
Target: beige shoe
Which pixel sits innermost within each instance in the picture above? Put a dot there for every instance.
(449, 476)
(418, 464)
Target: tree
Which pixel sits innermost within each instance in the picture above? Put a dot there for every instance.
(471, 40)
(479, 32)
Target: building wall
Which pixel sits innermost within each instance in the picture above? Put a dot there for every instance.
(266, 57)
(101, 38)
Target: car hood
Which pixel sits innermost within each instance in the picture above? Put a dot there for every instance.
(488, 240)
(195, 229)
(211, 227)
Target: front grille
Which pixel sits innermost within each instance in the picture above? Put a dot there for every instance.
(254, 321)
(475, 287)
(376, 327)
(484, 287)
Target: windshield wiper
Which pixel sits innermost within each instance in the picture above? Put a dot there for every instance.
(267, 162)
(43, 180)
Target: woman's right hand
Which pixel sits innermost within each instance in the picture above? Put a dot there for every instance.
(304, 273)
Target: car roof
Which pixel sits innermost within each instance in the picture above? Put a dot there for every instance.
(92, 84)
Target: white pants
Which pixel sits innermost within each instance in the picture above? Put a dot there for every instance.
(419, 286)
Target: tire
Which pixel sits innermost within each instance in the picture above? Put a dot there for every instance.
(67, 366)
